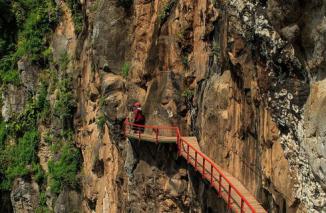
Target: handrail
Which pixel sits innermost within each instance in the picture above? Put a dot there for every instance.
(220, 173)
(180, 141)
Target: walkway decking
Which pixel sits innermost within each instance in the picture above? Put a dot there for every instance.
(237, 197)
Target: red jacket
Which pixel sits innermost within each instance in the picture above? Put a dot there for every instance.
(138, 116)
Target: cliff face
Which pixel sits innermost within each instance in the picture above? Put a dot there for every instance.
(245, 77)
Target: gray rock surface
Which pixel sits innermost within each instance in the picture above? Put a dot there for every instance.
(68, 202)
(24, 196)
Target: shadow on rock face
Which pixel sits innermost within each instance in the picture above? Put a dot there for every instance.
(165, 179)
(5, 203)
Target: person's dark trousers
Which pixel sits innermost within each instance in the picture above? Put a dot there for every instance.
(137, 128)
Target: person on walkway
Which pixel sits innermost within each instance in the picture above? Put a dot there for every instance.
(139, 117)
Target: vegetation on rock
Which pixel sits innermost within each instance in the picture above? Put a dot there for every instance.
(16, 159)
(64, 168)
(77, 14)
(64, 106)
(100, 121)
(26, 27)
(125, 69)
(164, 14)
(24, 33)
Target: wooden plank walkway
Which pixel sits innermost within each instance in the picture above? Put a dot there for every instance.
(236, 206)
(152, 138)
(190, 150)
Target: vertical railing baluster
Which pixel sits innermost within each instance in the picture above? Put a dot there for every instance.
(157, 132)
(203, 167)
(180, 145)
(196, 160)
(212, 175)
(188, 153)
(220, 186)
(229, 197)
(242, 205)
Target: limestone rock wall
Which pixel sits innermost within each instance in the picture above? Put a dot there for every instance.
(245, 77)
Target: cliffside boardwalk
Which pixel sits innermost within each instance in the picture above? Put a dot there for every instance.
(236, 196)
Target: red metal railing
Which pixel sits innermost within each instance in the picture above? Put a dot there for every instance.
(157, 133)
(203, 164)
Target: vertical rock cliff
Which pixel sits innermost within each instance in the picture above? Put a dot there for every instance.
(246, 77)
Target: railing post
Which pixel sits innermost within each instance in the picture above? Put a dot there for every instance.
(180, 144)
(157, 132)
(196, 161)
(212, 180)
(203, 167)
(241, 208)
(229, 197)
(188, 153)
(220, 186)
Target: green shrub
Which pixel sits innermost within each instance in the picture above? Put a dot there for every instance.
(102, 102)
(125, 69)
(188, 94)
(64, 106)
(41, 100)
(42, 208)
(49, 138)
(77, 14)
(14, 159)
(36, 110)
(42, 199)
(164, 14)
(25, 151)
(100, 121)
(30, 24)
(37, 26)
(185, 62)
(63, 171)
(11, 77)
(3, 134)
(8, 71)
(38, 172)
(64, 61)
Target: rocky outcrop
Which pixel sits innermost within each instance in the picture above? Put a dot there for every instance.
(13, 101)
(24, 196)
(68, 201)
(14, 97)
(236, 74)
(314, 131)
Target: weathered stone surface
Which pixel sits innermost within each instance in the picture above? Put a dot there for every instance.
(110, 36)
(24, 196)
(14, 99)
(315, 131)
(115, 100)
(28, 75)
(68, 201)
